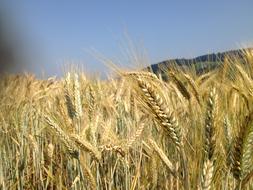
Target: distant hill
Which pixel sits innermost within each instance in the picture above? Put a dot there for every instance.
(202, 64)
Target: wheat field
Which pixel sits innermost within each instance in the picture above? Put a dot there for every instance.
(135, 131)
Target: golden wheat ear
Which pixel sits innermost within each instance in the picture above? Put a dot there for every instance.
(242, 152)
(63, 136)
(209, 141)
(181, 87)
(165, 118)
(68, 92)
(194, 88)
(88, 174)
(73, 96)
(86, 146)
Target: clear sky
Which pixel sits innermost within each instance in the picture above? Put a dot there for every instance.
(56, 31)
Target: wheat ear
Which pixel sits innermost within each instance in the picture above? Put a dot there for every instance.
(209, 141)
(194, 88)
(181, 87)
(164, 116)
(86, 146)
(92, 100)
(242, 155)
(243, 149)
(163, 156)
(77, 97)
(166, 119)
(88, 174)
(244, 75)
(134, 137)
(63, 136)
(207, 175)
(209, 125)
(68, 96)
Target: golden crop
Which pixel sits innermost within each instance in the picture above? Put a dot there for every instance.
(133, 132)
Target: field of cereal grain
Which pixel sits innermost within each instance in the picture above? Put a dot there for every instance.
(133, 132)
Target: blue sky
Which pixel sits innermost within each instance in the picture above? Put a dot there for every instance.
(55, 32)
